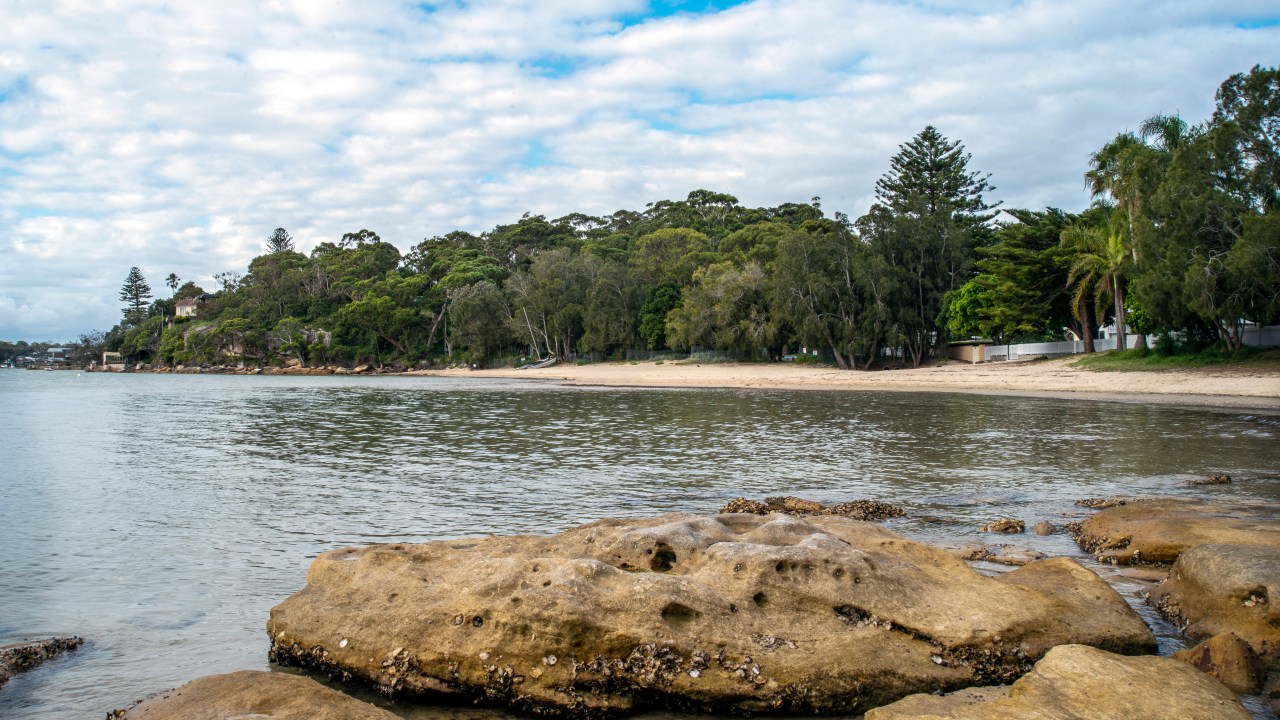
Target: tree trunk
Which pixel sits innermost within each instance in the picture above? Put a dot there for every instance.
(1086, 328)
(1118, 295)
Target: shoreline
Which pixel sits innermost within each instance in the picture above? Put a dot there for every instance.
(1228, 387)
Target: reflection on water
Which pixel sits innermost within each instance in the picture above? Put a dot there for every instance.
(162, 516)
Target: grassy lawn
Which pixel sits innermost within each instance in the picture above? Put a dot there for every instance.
(1125, 360)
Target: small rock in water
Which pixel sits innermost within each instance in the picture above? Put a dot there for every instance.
(1004, 525)
(1044, 527)
(23, 656)
(1211, 480)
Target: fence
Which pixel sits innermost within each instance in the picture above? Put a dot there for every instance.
(1268, 336)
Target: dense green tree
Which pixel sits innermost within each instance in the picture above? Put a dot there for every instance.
(658, 304)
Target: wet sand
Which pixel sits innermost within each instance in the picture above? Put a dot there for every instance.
(1233, 387)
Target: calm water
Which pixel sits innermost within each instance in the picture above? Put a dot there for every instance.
(162, 516)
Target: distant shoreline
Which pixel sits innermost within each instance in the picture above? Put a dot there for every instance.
(1229, 387)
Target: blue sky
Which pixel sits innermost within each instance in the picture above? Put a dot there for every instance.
(176, 136)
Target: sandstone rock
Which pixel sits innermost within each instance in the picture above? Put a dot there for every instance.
(1004, 525)
(1044, 527)
(1074, 682)
(1157, 531)
(359, 369)
(731, 613)
(20, 657)
(856, 509)
(1215, 589)
(252, 694)
(1227, 658)
(1015, 555)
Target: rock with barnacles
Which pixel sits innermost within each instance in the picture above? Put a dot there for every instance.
(23, 656)
(1009, 526)
(1216, 589)
(1074, 682)
(734, 613)
(856, 509)
(1157, 531)
(252, 694)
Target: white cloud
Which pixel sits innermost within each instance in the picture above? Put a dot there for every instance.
(175, 137)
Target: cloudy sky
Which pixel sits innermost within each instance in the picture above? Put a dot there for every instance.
(176, 135)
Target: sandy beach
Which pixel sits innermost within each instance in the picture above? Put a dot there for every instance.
(1218, 387)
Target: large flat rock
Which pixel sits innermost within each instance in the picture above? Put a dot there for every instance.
(252, 694)
(1158, 531)
(1074, 682)
(732, 613)
(1215, 589)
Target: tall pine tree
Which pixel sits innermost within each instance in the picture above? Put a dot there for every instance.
(928, 217)
(279, 241)
(134, 293)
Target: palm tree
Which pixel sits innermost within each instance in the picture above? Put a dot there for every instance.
(1099, 265)
(172, 281)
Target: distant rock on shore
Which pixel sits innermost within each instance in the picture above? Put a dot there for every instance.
(732, 613)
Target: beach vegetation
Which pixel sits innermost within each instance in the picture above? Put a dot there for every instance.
(1181, 244)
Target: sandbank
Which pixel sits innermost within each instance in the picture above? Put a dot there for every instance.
(1235, 387)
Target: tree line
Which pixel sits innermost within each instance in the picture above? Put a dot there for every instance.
(1181, 242)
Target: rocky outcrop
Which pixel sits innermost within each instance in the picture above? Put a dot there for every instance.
(1216, 589)
(1158, 531)
(252, 694)
(20, 657)
(856, 509)
(731, 613)
(1074, 682)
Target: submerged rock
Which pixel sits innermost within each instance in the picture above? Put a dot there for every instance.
(1015, 555)
(20, 657)
(1074, 682)
(1211, 480)
(252, 694)
(732, 613)
(1216, 589)
(1158, 531)
(856, 509)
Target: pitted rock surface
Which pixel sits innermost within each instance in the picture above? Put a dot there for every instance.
(1215, 589)
(1158, 531)
(731, 613)
(1074, 682)
(252, 694)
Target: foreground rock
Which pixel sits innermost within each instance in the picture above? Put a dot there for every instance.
(1074, 682)
(1158, 531)
(1216, 589)
(732, 613)
(20, 657)
(1227, 658)
(252, 694)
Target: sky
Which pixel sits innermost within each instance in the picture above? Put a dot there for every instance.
(175, 136)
